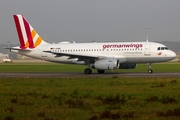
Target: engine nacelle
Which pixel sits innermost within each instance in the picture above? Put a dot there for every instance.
(106, 64)
(127, 66)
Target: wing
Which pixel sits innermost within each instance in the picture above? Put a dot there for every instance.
(81, 57)
(84, 57)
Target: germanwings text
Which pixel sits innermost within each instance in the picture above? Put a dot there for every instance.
(123, 46)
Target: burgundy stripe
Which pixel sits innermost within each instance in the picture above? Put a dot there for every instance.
(28, 32)
(18, 28)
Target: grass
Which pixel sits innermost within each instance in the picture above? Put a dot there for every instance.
(89, 98)
(53, 67)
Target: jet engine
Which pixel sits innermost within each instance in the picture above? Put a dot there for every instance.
(105, 64)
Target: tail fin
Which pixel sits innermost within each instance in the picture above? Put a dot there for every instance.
(28, 37)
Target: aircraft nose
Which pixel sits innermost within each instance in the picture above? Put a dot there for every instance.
(172, 54)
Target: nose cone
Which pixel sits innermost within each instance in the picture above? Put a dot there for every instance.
(171, 55)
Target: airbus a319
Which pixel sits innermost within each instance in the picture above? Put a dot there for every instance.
(101, 56)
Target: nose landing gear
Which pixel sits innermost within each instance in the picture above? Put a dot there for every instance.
(149, 68)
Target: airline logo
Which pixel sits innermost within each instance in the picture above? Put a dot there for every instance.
(159, 53)
(28, 37)
(123, 46)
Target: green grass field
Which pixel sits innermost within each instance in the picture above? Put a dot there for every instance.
(53, 67)
(88, 98)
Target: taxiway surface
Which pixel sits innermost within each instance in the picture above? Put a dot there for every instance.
(94, 75)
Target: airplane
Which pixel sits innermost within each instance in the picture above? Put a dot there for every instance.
(101, 56)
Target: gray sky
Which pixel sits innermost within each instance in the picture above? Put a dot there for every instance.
(88, 20)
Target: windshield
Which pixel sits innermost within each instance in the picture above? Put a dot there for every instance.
(162, 48)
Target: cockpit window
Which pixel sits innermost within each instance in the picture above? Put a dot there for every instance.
(162, 48)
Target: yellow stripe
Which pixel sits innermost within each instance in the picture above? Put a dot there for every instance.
(33, 33)
(27, 44)
(38, 41)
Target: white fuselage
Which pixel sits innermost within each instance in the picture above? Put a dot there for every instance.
(132, 52)
(101, 56)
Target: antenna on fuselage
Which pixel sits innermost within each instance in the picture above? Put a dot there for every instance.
(147, 40)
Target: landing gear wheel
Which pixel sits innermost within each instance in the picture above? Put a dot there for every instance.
(87, 71)
(100, 71)
(149, 68)
(150, 71)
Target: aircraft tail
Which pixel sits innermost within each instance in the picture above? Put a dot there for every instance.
(28, 37)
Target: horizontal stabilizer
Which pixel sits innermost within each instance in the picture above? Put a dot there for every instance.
(16, 48)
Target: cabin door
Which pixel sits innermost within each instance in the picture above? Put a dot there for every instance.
(147, 50)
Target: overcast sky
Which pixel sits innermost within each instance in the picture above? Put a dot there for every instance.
(93, 20)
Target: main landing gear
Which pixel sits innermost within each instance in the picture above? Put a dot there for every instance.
(100, 71)
(149, 68)
(89, 71)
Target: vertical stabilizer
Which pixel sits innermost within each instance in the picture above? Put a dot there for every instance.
(28, 37)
